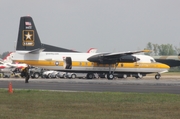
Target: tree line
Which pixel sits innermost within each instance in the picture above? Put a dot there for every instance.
(163, 49)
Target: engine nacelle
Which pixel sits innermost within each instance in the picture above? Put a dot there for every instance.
(111, 60)
(128, 58)
(95, 58)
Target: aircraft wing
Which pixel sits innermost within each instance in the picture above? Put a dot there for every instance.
(1, 62)
(124, 53)
(11, 65)
(111, 58)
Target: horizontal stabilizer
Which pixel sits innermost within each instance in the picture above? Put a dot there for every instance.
(36, 51)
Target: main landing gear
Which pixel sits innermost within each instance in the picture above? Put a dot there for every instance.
(90, 76)
(139, 76)
(110, 75)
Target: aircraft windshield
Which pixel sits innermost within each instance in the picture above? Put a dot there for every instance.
(152, 60)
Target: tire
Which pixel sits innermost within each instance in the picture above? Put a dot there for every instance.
(49, 75)
(36, 75)
(157, 76)
(110, 76)
(139, 76)
(90, 76)
(64, 76)
(124, 76)
(56, 76)
(73, 76)
(32, 77)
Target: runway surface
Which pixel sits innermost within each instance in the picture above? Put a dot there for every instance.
(146, 85)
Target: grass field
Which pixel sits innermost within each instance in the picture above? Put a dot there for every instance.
(33, 104)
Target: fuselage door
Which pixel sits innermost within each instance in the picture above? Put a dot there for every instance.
(67, 62)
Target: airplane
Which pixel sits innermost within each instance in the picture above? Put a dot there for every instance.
(31, 51)
(7, 65)
(92, 50)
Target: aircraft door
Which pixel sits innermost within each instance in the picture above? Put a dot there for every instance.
(67, 63)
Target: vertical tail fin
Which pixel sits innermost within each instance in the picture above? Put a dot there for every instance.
(92, 50)
(28, 38)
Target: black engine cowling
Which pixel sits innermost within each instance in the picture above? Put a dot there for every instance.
(128, 58)
(111, 60)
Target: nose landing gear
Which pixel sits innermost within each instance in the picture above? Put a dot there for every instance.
(157, 76)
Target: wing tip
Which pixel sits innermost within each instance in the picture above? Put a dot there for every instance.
(146, 50)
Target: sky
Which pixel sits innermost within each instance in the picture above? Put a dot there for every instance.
(108, 25)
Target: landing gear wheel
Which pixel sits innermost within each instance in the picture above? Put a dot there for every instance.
(139, 76)
(73, 76)
(110, 76)
(36, 75)
(90, 76)
(157, 76)
(124, 76)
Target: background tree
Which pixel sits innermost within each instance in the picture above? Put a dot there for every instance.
(166, 49)
(148, 47)
(163, 49)
(177, 50)
(155, 49)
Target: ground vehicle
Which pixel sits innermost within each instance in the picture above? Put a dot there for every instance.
(51, 74)
(35, 72)
(79, 75)
(55, 74)
(63, 74)
(71, 75)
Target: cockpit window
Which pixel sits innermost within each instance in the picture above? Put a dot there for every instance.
(152, 60)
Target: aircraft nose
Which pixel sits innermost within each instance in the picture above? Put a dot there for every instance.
(164, 66)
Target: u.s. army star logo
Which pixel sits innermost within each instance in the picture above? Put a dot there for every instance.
(28, 38)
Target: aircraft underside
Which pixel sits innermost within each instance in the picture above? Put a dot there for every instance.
(110, 73)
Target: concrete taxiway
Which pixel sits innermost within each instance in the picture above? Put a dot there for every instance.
(145, 85)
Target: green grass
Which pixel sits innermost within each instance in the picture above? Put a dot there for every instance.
(33, 104)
